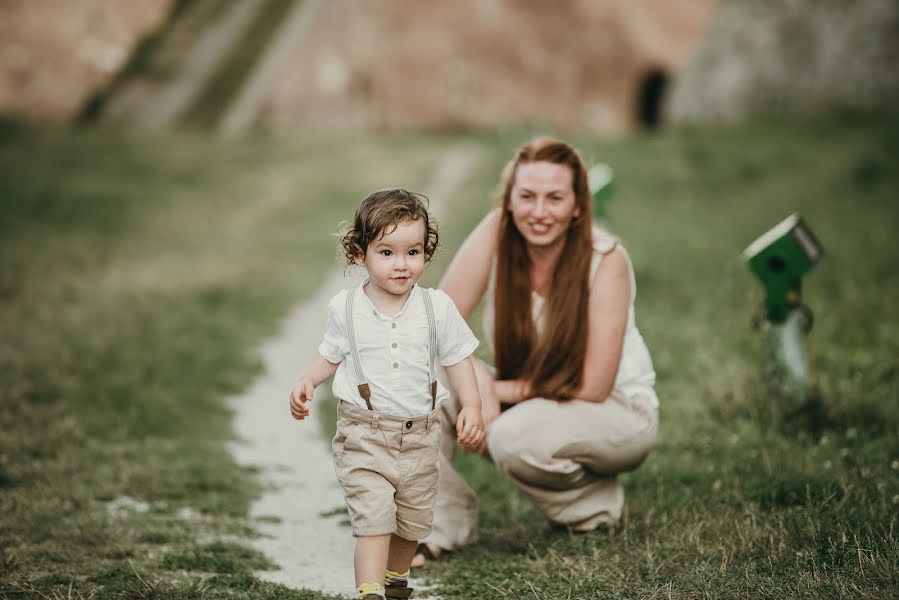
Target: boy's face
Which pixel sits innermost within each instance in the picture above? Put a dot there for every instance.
(396, 259)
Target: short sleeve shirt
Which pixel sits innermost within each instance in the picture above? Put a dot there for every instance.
(394, 350)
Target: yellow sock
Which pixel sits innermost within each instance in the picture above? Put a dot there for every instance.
(397, 579)
(371, 588)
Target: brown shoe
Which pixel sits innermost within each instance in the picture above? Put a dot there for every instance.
(397, 591)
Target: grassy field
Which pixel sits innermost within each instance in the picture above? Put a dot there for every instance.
(136, 275)
(749, 494)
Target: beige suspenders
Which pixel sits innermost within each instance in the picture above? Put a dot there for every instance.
(432, 345)
(361, 381)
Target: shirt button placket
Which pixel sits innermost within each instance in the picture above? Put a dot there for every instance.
(394, 339)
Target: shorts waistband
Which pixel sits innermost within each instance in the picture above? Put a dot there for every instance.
(378, 420)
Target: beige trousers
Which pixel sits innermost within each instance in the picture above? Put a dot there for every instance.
(564, 456)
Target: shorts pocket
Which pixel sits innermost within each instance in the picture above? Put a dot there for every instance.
(353, 439)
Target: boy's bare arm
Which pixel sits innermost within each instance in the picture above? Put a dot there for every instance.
(318, 370)
(462, 378)
(470, 425)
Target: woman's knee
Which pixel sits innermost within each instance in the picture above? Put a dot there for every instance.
(517, 456)
(515, 432)
(540, 471)
(504, 438)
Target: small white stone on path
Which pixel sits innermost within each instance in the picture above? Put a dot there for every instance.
(188, 514)
(127, 503)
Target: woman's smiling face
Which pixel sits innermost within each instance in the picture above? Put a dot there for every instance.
(542, 202)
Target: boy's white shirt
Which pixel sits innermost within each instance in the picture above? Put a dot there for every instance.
(404, 389)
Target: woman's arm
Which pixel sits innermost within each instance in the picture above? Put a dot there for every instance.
(610, 297)
(465, 280)
(511, 391)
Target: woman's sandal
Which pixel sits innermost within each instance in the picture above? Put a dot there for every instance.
(427, 552)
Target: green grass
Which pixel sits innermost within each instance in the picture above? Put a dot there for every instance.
(138, 273)
(749, 494)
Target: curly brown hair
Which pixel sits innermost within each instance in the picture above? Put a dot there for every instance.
(382, 210)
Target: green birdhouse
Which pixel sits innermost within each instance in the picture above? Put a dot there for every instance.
(780, 258)
(600, 178)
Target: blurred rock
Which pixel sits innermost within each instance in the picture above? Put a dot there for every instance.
(792, 56)
(55, 53)
(595, 65)
(430, 64)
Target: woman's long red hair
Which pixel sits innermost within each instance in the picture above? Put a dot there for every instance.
(553, 363)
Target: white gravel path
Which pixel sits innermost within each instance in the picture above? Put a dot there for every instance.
(311, 550)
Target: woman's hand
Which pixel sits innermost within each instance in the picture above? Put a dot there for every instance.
(511, 391)
(490, 407)
(489, 413)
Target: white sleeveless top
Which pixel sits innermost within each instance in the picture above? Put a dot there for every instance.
(636, 375)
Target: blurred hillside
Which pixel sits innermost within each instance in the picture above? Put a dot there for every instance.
(393, 64)
(55, 53)
(579, 64)
(765, 56)
(291, 66)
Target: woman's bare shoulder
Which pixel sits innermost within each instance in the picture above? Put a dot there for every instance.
(614, 261)
(613, 270)
(482, 240)
(490, 223)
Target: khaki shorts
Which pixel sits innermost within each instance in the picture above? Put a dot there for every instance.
(387, 466)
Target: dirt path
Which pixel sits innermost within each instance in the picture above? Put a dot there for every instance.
(312, 550)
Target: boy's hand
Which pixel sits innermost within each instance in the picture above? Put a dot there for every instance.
(301, 393)
(470, 427)
(490, 412)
